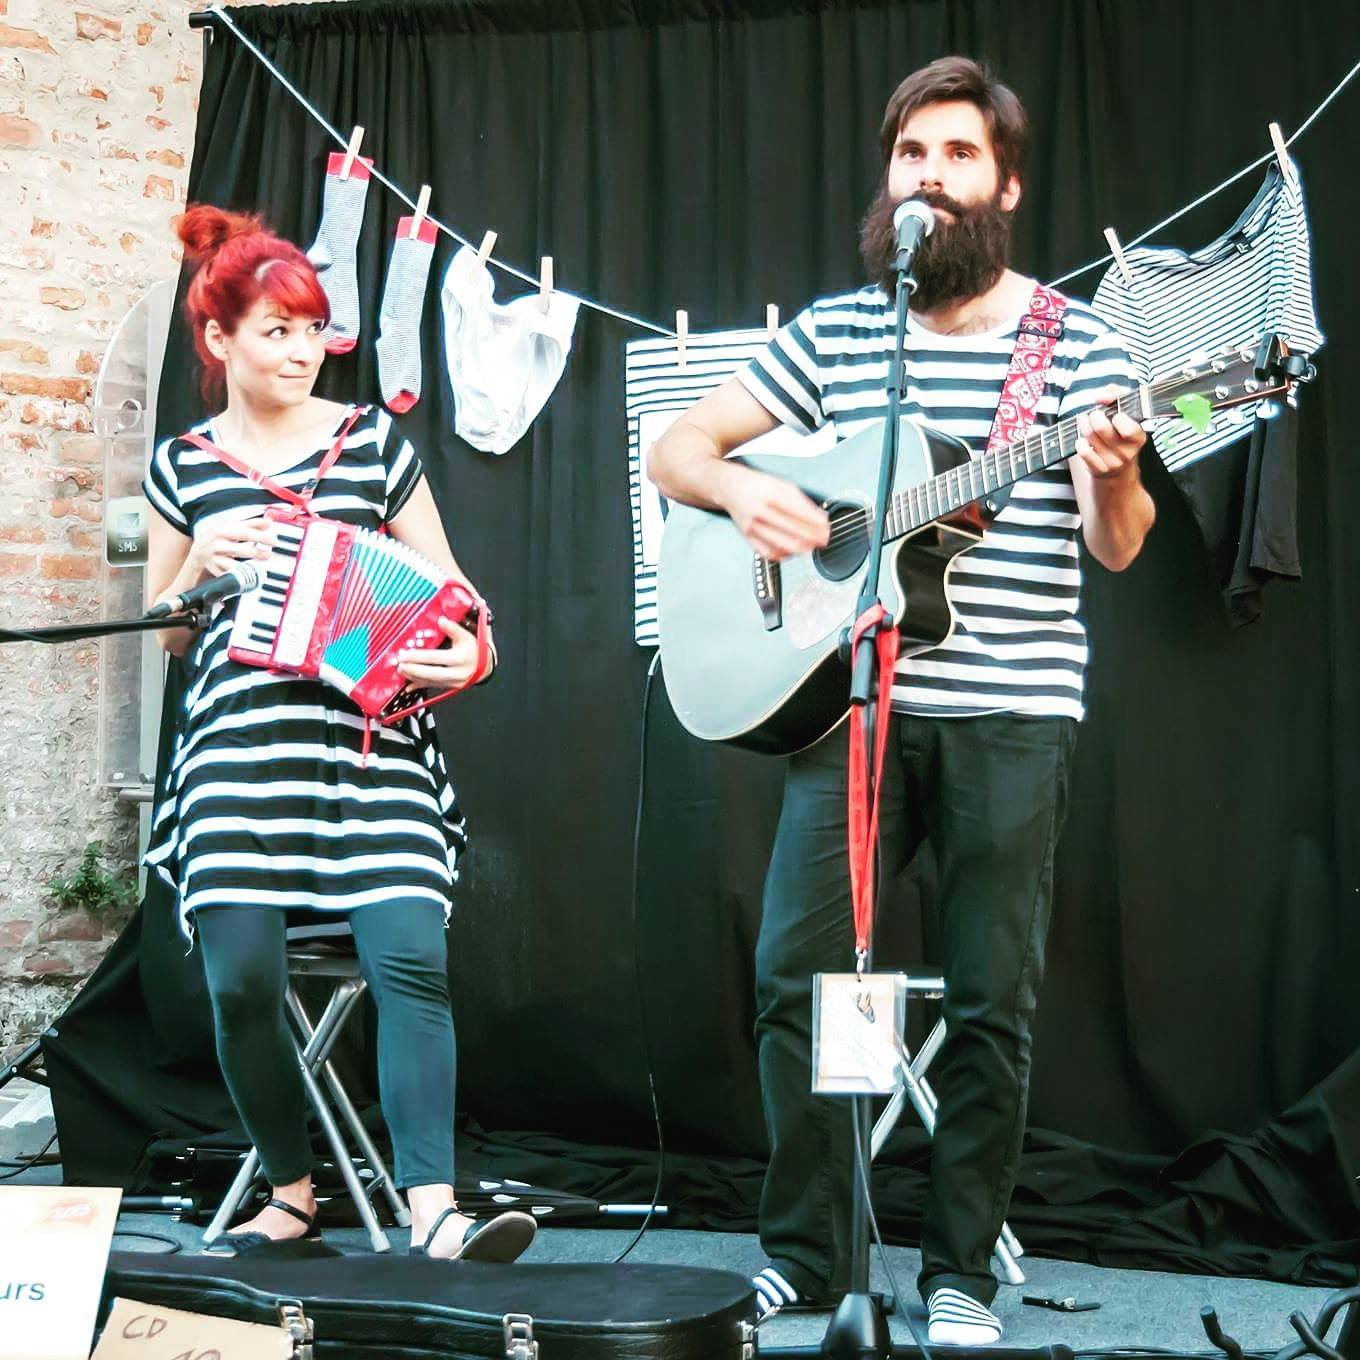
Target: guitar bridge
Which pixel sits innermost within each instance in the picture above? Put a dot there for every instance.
(767, 581)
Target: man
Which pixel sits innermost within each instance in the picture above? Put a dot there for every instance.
(984, 724)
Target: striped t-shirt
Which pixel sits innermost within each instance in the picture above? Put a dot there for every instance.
(1019, 645)
(1257, 277)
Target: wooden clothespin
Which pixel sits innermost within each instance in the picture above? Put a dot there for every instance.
(484, 250)
(1281, 153)
(422, 208)
(1118, 252)
(681, 335)
(545, 283)
(351, 151)
(771, 319)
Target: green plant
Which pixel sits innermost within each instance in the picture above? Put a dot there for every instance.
(92, 888)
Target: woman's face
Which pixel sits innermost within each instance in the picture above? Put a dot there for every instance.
(272, 359)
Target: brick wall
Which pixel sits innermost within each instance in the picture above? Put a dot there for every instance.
(97, 109)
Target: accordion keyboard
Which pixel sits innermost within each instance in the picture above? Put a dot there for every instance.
(259, 612)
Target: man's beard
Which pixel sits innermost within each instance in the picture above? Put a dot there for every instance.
(958, 260)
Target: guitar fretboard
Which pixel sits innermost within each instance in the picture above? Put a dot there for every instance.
(947, 492)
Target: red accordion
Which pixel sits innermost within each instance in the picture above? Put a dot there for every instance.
(340, 604)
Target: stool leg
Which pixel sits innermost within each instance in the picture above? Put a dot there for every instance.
(231, 1203)
(1008, 1247)
(887, 1121)
(377, 1238)
(929, 1049)
(246, 1176)
(382, 1179)
(320, 1038)
(913, 1086)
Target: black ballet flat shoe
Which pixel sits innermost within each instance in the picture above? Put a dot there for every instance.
(245, 1243)
(501, 1239)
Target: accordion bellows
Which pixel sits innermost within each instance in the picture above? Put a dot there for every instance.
(340, 604)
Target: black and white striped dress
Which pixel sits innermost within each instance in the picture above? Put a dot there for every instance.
(268, 800)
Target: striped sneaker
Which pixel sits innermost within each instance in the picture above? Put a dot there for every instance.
(956, 1319)
(773, 1292)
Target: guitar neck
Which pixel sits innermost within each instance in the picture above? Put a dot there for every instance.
(948, 492)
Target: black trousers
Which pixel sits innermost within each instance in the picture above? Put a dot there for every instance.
(403, 958)
(989, 792)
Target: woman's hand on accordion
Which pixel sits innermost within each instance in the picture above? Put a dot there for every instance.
(449, 667)
(224, 546)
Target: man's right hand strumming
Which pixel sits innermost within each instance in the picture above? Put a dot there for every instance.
(774, 516)
(688, 464)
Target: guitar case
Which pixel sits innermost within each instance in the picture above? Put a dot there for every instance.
(381, 1307)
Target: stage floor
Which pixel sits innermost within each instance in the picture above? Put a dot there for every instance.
(1143, 1309)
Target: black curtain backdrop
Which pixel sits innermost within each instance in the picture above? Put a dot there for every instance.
(716, 155)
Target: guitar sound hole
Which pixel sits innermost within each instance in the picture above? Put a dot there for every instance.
(845, 554)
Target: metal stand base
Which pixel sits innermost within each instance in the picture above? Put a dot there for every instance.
(314, 1044)
(858, 1330)
(913, 1087)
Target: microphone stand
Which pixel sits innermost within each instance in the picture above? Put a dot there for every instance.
(859, 1329)
(74, 632)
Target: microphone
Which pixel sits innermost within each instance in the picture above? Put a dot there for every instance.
(241, 578)
(913, 221)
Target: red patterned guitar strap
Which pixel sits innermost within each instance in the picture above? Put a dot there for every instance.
(1041, 328)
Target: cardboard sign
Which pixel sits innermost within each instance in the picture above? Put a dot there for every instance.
(144, 1331)
(54, 1245)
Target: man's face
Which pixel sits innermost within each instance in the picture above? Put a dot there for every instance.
(943, 155)
(944, 152)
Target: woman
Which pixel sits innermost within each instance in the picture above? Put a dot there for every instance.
(274, 800)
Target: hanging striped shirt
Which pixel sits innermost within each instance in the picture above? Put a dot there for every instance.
(1019, 645)
(659, 384)
(1257, 277)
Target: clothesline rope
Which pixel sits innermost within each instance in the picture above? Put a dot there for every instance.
(220, 13)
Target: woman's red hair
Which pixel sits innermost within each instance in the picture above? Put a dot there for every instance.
(236, 261)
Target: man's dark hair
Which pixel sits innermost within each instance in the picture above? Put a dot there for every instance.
(961, 78)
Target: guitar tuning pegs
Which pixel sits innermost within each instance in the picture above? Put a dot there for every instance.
(1268, 409)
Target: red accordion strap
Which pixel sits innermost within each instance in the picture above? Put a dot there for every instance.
(263, 479)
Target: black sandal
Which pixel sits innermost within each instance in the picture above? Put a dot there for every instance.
(243, 1243)
(501, 1239)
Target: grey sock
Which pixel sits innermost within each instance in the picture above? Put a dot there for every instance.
(403, 304)
(334, 250)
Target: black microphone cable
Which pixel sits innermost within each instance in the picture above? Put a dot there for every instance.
(637, 961)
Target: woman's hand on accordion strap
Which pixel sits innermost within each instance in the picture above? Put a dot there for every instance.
(448, 667)
(224, 546)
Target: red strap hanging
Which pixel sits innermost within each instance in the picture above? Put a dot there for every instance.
(262, 479)
(862, 819)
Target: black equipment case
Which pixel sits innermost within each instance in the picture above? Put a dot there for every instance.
(378, 1307)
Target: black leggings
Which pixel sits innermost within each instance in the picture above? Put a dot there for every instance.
(403, 957)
